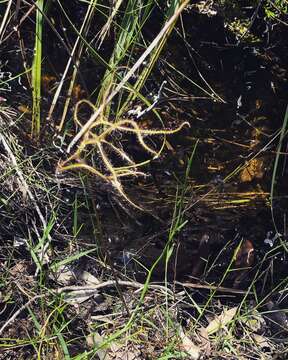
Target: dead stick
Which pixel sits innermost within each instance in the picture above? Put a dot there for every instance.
(213, 287)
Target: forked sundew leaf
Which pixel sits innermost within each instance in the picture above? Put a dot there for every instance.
(221, 321)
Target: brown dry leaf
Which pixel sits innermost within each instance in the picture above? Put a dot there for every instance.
(113, 351)
(23, 190)
(89, 278)
(258, 104)
(95, 340)
(48, 82)
(244, 260)
(24, 109)
(76, 297)
(20, 268)
(202, 256)
(126, 352)
(188, 346)
(64, 275)
(255, 321)
(261, 341)
(205, 342)
(245, 255)
(253, 170)
(221, 321)
(77, 92)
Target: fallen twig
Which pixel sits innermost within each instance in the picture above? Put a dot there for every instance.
(18, 312)
(108, 283)
(212, 287)
(84, 288)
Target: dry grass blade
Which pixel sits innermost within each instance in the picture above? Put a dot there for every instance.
(105, 29)
(5, 20)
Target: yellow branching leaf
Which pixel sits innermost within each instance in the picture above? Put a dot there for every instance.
(100, 138)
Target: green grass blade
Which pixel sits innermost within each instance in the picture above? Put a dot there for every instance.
(36, 71)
